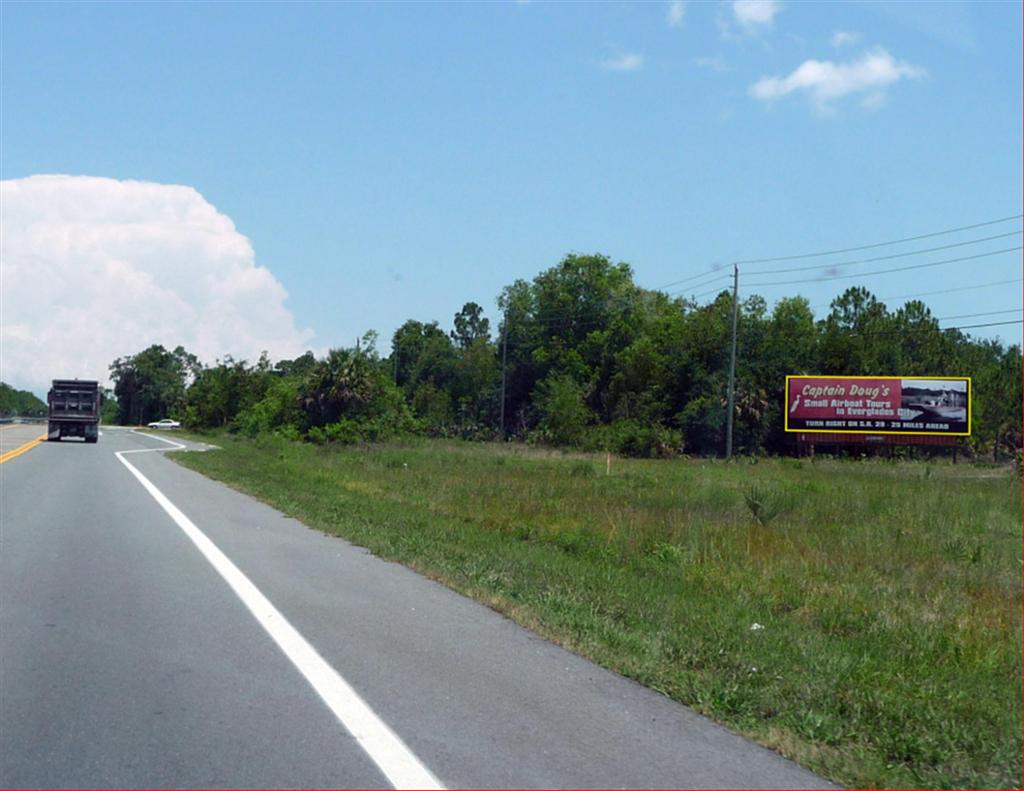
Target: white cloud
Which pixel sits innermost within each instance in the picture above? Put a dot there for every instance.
(826, 82)
(753, 14)
(843, 38)
(94, 269)
(676, 13)
(625, 62)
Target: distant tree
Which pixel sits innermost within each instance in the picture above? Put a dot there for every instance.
(278, 409)
(923, 349)
(857, 337)
(349, 397)
(433, 405)
(701, 375)
(996, 400)
(470, 326)
(788, 346)
(108, 406)
(151, 385)
(300, 366)
(346, 383)
(791, 339)
(423, 354)
(476, 384)
(520, 334)
(562, 413)
(572, 319)
(20, 403)
(225, 389)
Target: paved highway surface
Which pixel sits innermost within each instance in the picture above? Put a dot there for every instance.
(18, 435)
(159, 629)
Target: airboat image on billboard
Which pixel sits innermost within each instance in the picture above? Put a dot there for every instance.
(927, 405)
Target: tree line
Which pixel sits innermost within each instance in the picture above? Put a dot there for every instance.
(583, 357)
(20, 403)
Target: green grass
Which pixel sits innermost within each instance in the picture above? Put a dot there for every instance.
(889, 594)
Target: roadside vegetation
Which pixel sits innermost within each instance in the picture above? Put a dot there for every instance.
(862, 618)
(592, 362)
(20, 403)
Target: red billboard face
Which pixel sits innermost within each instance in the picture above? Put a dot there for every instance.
(878, 405)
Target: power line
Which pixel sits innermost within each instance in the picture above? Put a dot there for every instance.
(972, 315)
(888, 257)
(895, 296)
(915, 330)
(989, 324)
(941, 291)
(708, 292)
(720, 277)
(717, 268)
(692, 277)
(879, 244)
(715, 279)
(887, 271)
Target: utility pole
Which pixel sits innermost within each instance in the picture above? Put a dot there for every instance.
(732, 361)
(504, 355)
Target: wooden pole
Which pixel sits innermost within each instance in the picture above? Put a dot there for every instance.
(504, 356)
(732, 361)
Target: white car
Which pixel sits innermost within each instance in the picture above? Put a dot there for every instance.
(165, 423)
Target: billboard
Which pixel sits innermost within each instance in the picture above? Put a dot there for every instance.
(879, 405)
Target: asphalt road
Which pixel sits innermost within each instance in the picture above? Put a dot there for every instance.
(157, 629)
(16, 435)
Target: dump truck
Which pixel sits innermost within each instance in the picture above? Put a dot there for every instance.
(74, 409)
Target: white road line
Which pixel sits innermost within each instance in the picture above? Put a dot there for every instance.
(398, 763)
(154, 436)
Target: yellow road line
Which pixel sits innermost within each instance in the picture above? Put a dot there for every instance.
(12, 454)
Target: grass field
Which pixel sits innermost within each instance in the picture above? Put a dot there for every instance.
(862, 618)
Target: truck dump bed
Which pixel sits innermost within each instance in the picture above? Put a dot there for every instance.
(74, 409)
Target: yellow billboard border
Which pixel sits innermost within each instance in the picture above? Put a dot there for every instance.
(785, 408)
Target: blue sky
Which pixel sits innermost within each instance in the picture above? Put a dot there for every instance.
(393, 160)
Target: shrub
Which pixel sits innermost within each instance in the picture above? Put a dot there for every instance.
(564, 415)
(764, 503)
(278, 408)
(433, 405)
(582, 469)
(703, 423)
(637, 439)
(351, 431)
